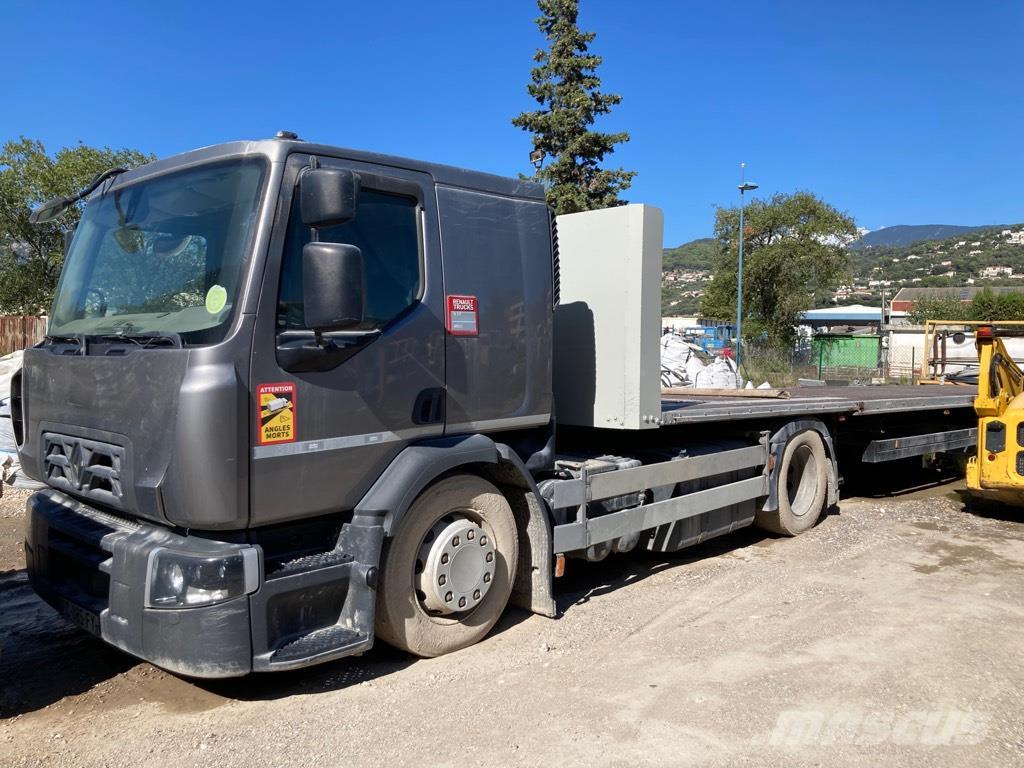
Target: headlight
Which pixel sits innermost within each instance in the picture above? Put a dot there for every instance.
(178, 580)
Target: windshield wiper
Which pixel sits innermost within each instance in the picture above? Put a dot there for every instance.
(144, 339)
(78, 339)
(51, 209)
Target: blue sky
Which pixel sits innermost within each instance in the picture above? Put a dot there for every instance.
(899, 112)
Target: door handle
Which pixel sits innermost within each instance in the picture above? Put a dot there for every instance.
(429, 406)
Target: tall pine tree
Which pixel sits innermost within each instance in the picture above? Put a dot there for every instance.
(566, 85)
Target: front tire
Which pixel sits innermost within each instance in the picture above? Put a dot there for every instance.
(459, 533)
(803, 486)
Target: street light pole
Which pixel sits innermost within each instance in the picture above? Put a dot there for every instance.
(744, 186)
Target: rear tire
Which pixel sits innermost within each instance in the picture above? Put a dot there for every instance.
(803, 486)
(407, 616)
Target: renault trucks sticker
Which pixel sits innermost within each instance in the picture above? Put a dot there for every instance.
(275, 411)
(462, 316)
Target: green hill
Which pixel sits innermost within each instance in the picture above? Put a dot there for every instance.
(685, 270)
(951, 261)
(696, 254)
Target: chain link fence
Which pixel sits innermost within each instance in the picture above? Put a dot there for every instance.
(847, 358)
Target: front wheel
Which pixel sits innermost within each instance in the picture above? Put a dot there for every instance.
(803, 486)
(447, 572)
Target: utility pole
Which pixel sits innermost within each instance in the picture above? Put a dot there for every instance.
(744, 186)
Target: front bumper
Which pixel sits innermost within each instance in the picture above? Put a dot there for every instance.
(93, 567)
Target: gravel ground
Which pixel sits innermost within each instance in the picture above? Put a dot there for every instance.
(890, 634)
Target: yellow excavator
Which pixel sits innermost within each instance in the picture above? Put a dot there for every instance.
(996, 472)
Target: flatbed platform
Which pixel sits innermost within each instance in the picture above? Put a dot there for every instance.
(854, 401)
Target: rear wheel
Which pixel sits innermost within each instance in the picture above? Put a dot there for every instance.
(447, 572)
(803, 486)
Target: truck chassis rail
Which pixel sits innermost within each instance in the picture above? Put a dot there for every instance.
(586, 531)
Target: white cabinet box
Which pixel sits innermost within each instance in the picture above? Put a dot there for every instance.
(608, 323)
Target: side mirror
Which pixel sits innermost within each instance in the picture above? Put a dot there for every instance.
(332, 286)
(50, 210)
(328, 196)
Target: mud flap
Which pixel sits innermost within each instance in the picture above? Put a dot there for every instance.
(533, 589)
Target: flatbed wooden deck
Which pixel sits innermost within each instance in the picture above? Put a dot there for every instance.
(855, 401)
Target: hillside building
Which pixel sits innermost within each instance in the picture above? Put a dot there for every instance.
(995, 271)
(907, 298)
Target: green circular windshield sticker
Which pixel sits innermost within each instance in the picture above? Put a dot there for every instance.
(216, 299)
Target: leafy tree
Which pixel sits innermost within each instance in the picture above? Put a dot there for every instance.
(566, 86)
(31, 256)
(986, 305)
(939, 308)
(794, 256)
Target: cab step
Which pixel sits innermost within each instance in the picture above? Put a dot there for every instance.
(278, 569)
(319, 645)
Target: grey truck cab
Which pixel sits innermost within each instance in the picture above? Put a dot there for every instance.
(259, 355)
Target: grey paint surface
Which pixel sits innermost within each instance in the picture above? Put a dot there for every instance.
(498, 249)
(370, 393)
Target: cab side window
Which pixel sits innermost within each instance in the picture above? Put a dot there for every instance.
(385, 230)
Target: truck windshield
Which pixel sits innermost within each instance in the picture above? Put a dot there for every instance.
(162, 256)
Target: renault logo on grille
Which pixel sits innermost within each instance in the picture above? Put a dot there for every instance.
(74, 469)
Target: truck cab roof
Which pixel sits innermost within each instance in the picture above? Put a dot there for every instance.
(276, 150)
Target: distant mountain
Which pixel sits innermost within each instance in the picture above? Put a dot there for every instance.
(982, 256)
(906, 234)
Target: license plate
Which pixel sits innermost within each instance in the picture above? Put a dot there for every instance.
(79, 616)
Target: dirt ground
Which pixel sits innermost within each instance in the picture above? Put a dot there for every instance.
(888, 635)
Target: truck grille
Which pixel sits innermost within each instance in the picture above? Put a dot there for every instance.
(84, 467)
(1020, 463)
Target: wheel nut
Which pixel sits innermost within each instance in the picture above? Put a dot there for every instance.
(455, 541)
(476, 594)
(462, 602)
(442, 579)
(469, 535)
(444, 559)
(448, 597)
(483, 541)
(490, 557)
(487, 578)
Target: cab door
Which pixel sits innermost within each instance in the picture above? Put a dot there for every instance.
(325, 423)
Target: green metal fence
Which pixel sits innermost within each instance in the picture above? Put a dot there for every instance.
(847, 355)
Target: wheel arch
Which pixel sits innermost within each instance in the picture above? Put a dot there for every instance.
(418, 466)
(777, 447)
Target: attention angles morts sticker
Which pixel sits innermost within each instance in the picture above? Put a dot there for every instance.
(275, 413)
